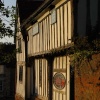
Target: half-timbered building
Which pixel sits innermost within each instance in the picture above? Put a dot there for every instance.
(45, 29)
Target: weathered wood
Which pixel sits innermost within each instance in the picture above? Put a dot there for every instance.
(68, 78)
(60, 60)
(50, 33)
(38, 43)
(66, 23)
(46, 79)
(52, 51)
(57, 63)
(56, 36)
(38, 76)
(41, 43)
(58, 26)
(69, 22)
(46, 35)
(30, 41)
(40, 37)
(62, 26)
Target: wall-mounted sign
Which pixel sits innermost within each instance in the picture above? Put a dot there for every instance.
(53, 16)
(59, 81)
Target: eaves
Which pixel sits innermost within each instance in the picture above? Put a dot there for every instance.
(32, 17)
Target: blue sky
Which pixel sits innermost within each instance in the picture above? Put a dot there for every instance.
(8, 3)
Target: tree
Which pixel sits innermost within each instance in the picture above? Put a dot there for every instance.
(7, 50)
(6, 12)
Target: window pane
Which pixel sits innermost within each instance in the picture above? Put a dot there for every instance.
(20, 73)
(19, 45)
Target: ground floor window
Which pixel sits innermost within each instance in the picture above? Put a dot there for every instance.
(21, 73)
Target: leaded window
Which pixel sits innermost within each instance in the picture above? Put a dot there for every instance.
(21, 73)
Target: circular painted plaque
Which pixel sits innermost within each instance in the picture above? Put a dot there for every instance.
(59, 81)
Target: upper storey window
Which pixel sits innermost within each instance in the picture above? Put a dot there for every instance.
(53, 16)
(35, 29)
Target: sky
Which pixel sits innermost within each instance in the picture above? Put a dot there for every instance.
(8, 3)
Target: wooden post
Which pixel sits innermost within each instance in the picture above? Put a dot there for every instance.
(50, 74)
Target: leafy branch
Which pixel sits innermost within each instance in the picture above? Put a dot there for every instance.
(5, 13)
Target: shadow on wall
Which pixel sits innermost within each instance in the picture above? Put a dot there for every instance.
(35, 96)
(87, 18)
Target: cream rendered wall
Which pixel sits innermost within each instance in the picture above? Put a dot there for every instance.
(20, 85)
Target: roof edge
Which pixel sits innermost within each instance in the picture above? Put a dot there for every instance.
(39, 10)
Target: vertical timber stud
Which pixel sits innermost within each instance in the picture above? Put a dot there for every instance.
(33, 65)
(50, 74)
(68, 78)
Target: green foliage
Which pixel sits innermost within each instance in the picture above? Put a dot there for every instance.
(83, 49)
(6, 12)
(7, 50)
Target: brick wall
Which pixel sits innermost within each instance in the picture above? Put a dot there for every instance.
(87, 79)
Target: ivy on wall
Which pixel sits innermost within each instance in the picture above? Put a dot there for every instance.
(83, 48)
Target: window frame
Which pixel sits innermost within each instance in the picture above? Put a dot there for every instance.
(35, 29)
(53, 16)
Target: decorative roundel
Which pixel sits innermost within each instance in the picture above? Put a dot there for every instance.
(59, 81)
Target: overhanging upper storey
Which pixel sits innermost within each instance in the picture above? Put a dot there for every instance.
(33, 8)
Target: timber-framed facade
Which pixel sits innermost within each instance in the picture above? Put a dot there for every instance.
(46, 35)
